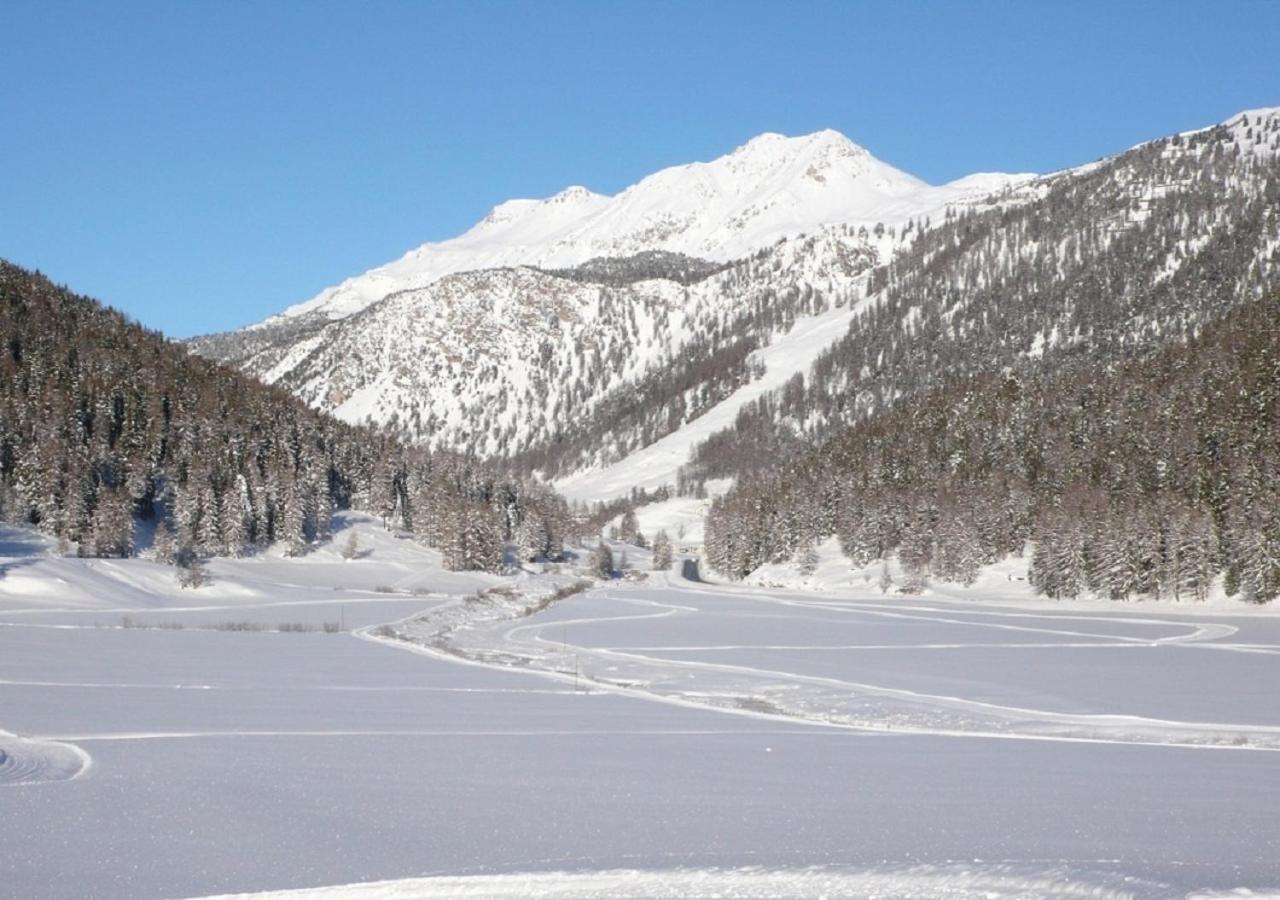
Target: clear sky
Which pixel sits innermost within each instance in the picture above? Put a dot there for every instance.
(201, 165)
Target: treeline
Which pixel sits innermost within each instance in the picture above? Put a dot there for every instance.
(617, 271)
(107, 428)
(1148, 476)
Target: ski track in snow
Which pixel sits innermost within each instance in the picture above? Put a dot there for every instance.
(214, 607)
(782, 695)
(382, 732)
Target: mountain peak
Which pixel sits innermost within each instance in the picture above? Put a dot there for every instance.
(771, 142)
(574, 194)
(773, 186)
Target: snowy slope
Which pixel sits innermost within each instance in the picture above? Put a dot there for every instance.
(468, 345)
(657, 464)
(771, 187)
(504, 361)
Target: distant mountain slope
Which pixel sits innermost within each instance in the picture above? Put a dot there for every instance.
(1150, 477)
(1112, 259)
(569, 370)
(1093, 375)
(769, 188)
(643, 310)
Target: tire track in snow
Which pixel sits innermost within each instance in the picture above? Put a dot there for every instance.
(286, 688)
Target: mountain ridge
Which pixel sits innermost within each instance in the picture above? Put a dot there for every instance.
(768, 188)
(572, 369)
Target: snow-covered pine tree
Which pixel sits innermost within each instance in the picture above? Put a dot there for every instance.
(807, 556)
(602, 561)
(533, 538)
(163, 547)
(112, 532)
(661, 551)
(351, 546)
(628, 526)
(233, 518)
(291, 528)
(481, 539)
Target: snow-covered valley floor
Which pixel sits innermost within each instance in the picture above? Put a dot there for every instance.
(661, 739)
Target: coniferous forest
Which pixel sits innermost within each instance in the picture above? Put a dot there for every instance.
(1149, 476)
(112, 437)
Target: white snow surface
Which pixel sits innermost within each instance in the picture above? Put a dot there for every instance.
(769, 188)
(953, 882)
(649, 738)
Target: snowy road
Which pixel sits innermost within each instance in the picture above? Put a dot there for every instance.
(228, 761)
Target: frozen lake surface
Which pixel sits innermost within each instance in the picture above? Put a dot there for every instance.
(718, 741)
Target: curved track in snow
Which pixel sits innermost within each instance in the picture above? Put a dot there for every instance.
(35, 761)
(779, 693)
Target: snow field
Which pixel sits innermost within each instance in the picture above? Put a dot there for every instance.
(697, 752)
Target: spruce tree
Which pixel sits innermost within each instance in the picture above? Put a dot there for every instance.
(661, 551)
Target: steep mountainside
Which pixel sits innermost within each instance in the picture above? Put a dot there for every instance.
(1151, 477)
(563, 368)
(1113, 259)
(109, 432)
(1095, 373)
(644, 310)
(606, 374)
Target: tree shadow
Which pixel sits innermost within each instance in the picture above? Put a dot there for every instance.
(21, 546)
(9, 565)
(20, 542)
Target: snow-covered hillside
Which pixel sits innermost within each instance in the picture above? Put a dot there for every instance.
(769, 188)
(516, 336)
(599, 340)
(514, 361)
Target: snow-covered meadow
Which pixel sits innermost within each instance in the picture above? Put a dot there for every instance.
(663, 738)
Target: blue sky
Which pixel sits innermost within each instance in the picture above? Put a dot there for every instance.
(201, 165)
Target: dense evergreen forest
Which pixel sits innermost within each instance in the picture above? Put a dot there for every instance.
(1150, 475)
(112, 436)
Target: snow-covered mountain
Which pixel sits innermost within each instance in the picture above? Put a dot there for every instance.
(769, 188)
(571, 333)
(567, 367)
(554, 313)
